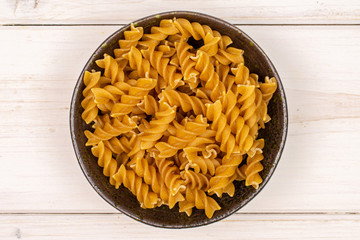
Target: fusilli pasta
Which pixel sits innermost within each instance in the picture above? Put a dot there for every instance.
(176, 123)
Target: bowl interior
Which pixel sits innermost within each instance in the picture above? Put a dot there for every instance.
(274, 133)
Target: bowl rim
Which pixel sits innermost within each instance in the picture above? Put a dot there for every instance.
(230, 211)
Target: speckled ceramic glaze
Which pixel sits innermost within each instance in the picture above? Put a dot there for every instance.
(274, 133)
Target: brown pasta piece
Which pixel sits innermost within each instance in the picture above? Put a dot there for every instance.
(176, 123)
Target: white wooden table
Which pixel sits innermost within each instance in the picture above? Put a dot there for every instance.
(315, 191)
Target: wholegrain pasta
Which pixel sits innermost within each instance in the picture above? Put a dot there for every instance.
(175, 123)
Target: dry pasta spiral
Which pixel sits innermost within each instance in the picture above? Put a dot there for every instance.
(236, 122)
(248, 107)
(153, 178)
(186, 102)
(149, 105)
(191, 76)
(261, 107)
(105, 160)
(122, 145)
(223, 130)
(111, 129)
(198, 31)
(90, 112)
(195, 180)
(161, 64)
(112, 70)
(110, 93)
(175, 123)
(268, 88)
(199, 199)
(140, 64)
(223, 174)
(171, 175)
(135, 95)
(158, 126)
(166, 28)
(230, 55)
(208, 75)
(131, 39)
(136, 185)
(253, 167)
(200, 163)
(184, 135)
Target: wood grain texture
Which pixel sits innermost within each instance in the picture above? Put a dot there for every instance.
(319, 167)
(121, 12)
(238, 226)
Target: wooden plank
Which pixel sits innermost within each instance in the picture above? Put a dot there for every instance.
(239, 12)
(317, 172)
(238, 226)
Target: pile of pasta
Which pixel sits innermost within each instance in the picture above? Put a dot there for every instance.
(174, 123)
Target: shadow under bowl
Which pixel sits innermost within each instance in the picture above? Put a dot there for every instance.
(274, 133)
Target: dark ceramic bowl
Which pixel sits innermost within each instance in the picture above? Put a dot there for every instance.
(274, 133)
